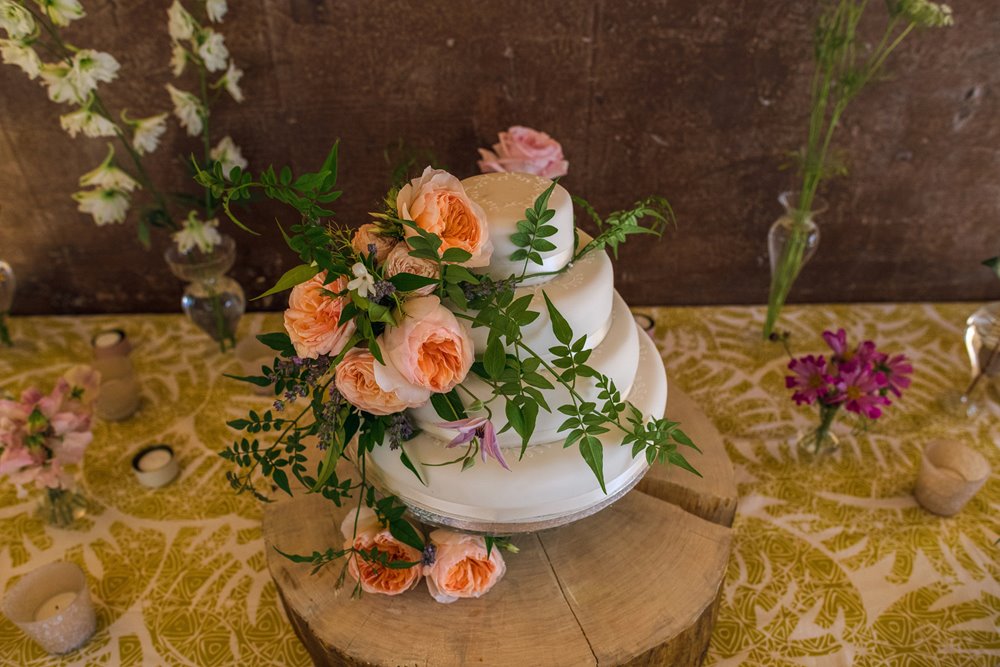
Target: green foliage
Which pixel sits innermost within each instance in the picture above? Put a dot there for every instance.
(531, 237)
(993, 263)
(649, 216)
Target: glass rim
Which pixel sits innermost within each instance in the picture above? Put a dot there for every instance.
(790, 199)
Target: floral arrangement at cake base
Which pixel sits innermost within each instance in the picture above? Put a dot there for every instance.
(41, 434)
(466, 351)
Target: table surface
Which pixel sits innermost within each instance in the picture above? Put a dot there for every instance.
(833, 562)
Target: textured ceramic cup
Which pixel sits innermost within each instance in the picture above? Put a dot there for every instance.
(52, 605)
(950, 474)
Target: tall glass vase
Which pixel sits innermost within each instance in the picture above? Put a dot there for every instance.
(791, 242)
(212, 300)
(7, 286)
(982, 342)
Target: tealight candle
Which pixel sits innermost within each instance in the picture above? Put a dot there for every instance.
(950, 474)
(155, 466)
(52, 605)
(119, 395)
(110, 343)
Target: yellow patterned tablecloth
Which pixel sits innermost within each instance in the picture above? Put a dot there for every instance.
(833, 563)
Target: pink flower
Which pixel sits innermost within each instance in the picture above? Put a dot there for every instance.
(525, 150)
(477, 427)
(897, 370)
(461, 568)
(859, 389)
(313, 317)
(355, 379)
(437, 203)
(14, 458)
(837, 342)
(428, 351)
(399, 261)
(367, 237)
(375, 578)
(811, 380)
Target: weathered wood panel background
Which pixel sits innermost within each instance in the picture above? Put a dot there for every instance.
(699, 101)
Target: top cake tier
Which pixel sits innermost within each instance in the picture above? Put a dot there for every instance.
(504, 197)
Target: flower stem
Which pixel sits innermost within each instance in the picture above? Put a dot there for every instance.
(5, 332)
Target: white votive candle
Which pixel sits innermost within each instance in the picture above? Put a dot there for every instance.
(155, 466)
(950, 474)
(52, 605)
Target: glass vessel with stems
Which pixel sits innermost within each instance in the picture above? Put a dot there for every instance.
(982, 343)
(791, 242)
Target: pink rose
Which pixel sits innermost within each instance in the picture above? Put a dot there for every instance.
(355, 379)
(367, 235)
(437, 203)
(525, 150)
(461, 568)
(375, 578)
(399, 261)
(429, 350)
(312, 319)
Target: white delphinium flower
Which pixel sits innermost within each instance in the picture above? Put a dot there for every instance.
(363, 282)
(923, 12)
(16, 20)
(74, 83)
(62, 11)
(61, 87)
(90, 123)
(105, 205)
(147, 133)
(231, 80)
(215, 9)
(228, 154)
(17, 53)
(107, 176)
(178, 59)
(188, 109)
(197, 234)
(213, 51)
(180, 24)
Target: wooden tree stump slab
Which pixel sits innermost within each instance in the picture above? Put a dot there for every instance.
(635, 584)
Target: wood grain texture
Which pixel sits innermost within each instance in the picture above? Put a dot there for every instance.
(697, 101)
(635, 584)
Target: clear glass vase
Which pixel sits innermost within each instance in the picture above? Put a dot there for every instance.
(62, 508)
(821, 440)
(8, 283)
(791, 242)
(212, 300)
(982, 343)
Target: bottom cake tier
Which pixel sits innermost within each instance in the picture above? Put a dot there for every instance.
(550, 486)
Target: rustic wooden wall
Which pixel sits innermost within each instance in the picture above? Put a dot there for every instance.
(696, 100)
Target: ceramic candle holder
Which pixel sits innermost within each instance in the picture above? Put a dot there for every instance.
(950, 474)
(52, 605)
(120, 392)
(155, 466)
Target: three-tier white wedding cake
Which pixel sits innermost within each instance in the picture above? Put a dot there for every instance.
(550, 484)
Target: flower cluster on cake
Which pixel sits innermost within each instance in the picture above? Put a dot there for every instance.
(467, 352)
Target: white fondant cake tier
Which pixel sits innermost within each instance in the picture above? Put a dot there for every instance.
(583, 294)
(550, 486)
(504, 197)
(617, 357)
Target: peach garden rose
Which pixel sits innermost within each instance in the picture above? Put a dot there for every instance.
(355, 380)
(437, 202)
(373, 577)
(312, 318)
(366, 236)
(399, 261)
(430, 351)
(461, 568)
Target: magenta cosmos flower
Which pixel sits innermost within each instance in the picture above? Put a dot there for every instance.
(897, 370)
(860, 390)
(477, 427)
(810, 380)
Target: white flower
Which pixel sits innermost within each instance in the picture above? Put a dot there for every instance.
(106, 206)
(16, 53)
(180, 24)
(188, 110)
(62, 11)
(61, 87)
(228, 155)
(363, 281)
(178, 59)
(16, 20)
(215, 9)
(923, 12)
(108, 177)
(90, 123)
(74, 83)
(197, 234)
(147, 132)
(232, 81)
(213, 51)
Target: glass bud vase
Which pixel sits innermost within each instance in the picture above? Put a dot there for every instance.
(61, 507)
(821, 440)
(791, 242)
(8, 284)
(982, 342)
(212, 300)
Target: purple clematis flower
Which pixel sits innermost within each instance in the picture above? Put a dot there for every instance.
(810, 380)
(477, 427)
(859, 389)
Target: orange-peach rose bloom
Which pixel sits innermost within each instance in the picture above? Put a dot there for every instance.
(429, 350)
(438, 203)
(312, 317)
(355, 380)
(399, 261)
(373, 577)
(461, 568)
(367, 235)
